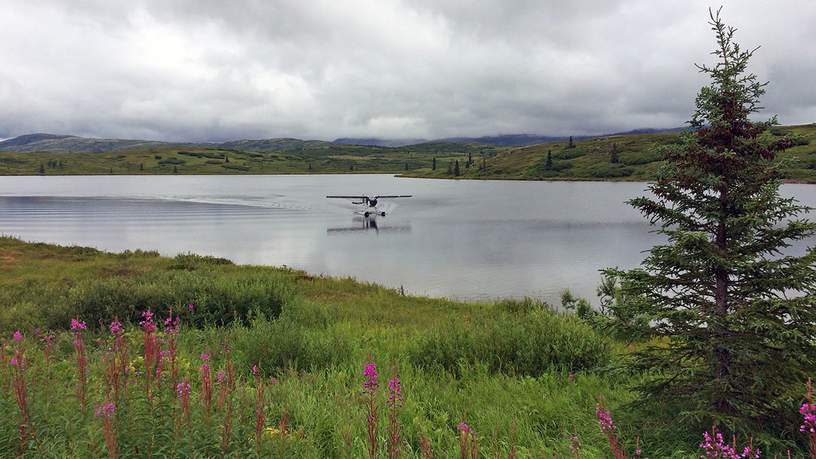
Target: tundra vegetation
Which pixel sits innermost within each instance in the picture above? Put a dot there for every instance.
(703, 351)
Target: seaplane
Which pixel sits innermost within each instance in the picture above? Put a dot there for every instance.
(369, 204)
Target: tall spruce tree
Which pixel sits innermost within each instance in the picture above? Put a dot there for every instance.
(548, 164)
(614, 157)
(729, 300)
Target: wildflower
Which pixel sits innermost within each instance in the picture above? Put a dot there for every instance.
(808, 412)
(715, 446)
(105, 410)
(78, 325)
(13, 362)
(171, 324)
(18, 336)
(272, 431)
(394, 430)
(116, 327)
(81, 360)
(255, 370)
(604, 419)
(147, 323)
(191, 307)
(464, 428)
(205, 357)
(183, 389)
(220, 377)
(370, 373)
(370, 384)
(394, 391)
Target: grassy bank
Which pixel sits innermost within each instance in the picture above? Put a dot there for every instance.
(524, 378)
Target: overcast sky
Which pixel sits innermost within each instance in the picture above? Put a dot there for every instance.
(216, 70)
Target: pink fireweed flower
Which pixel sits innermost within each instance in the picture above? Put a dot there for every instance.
(808, 412)
(191, 307)
(604, 419)
(464, 428)
(116, 328)
(205, 357)
(220, 377)
(370, 374)
(105, 410)
(78, 325)
(394, 391)
(183, 389)
(147, 323)
(171, 324)
(18, 336)
(714, 446)
(255, 370)
(13, 362)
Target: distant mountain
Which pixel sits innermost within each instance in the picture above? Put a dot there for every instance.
(506, 140)
(71, 144)
(377, 142)
(649, 131)
(74, 144)
(267, 145)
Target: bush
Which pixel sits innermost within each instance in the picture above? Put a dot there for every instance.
(191, 261)
(280, 344)
(604, 170)
(528, 344)
(219, 299)
(235, 167)
(172, 161)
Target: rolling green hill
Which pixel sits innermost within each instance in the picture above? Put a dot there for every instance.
(272, 156)
(638, 157)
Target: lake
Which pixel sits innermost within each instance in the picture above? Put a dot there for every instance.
(475, 240)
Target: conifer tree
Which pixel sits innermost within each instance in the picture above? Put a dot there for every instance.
(548, 164)
(450, 168)
(731, 306)
(42, 169)
(456, 171)
(614, 157)
(433, 164)
(571, 143)
(141, 166)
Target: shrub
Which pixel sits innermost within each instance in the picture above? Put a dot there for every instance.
(219, 299)
(528, 344)
(281, 344)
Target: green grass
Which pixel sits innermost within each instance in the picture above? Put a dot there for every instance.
(640, 157)
(525, 377)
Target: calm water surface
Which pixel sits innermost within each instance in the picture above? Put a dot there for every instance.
(462, 239)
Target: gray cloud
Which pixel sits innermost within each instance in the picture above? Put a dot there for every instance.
(214, 70)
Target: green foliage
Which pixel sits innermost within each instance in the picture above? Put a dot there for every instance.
(729, 309)
(529, 344)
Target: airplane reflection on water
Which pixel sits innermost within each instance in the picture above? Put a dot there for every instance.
(369, 224)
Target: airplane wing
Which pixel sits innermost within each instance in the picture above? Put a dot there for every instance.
(394, 196)
(347, 197)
